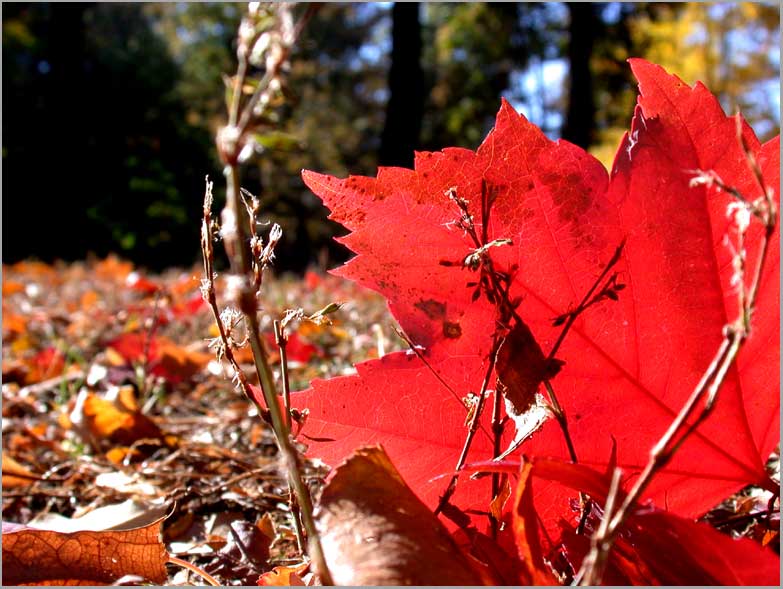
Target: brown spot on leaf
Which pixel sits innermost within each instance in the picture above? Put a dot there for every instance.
(431, 308)
(451, 329)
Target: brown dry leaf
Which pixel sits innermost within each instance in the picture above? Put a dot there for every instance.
(284, 576)
(14, 371)
(44, 557)
(375, 531)
(16, 474)
(497, 504)
(521, 367)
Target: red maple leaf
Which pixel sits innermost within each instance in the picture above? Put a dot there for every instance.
(629, 364)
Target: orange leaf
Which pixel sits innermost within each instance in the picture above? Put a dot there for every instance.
(525, 526)
(498, 503)
(14, 324)
(12, 287)
(175, 363)
(38, 269)
(114, 420)
(16, 474)
(88, 300)
(113, 267)
(39, 557)
(284, 576)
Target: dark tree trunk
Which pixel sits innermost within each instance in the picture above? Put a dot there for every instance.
(405, 108)
(580, 119)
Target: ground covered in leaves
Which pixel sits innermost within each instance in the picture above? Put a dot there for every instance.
(116, 411)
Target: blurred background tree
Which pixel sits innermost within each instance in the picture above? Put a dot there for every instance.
(110, 109)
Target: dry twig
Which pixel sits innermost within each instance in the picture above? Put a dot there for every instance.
(236, 144)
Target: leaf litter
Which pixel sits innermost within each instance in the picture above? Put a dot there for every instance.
(116, 411)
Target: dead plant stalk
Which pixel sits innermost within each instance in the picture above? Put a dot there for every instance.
(236, 219)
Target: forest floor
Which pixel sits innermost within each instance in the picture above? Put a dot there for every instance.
(115, 409)
(116, 412)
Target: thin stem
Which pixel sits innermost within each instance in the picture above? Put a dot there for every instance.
(561, 419)
(227, 351)
(271, 73)
(497, 433)
(599, 552)
(193, 568)
(585, 302)
(242, 267)
(239, 83)
(474, 422)
(281, 340)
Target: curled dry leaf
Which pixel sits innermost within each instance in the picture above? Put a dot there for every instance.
(39, 557)
(521, 367)
(375, 531)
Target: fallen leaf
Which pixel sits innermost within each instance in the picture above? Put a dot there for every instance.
(137, 282)
(134, 347)
(163, 357)
(13, 325)
(502, 565)
(128, 515)
(116, 419)
(375, 531)
(11, 287)
(16, 474)
(43, 557)
(630, 363)
(113, 268)
(176, 363)
(282, 576)
(46, 364)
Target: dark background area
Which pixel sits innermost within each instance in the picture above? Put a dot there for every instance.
(109, 110)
